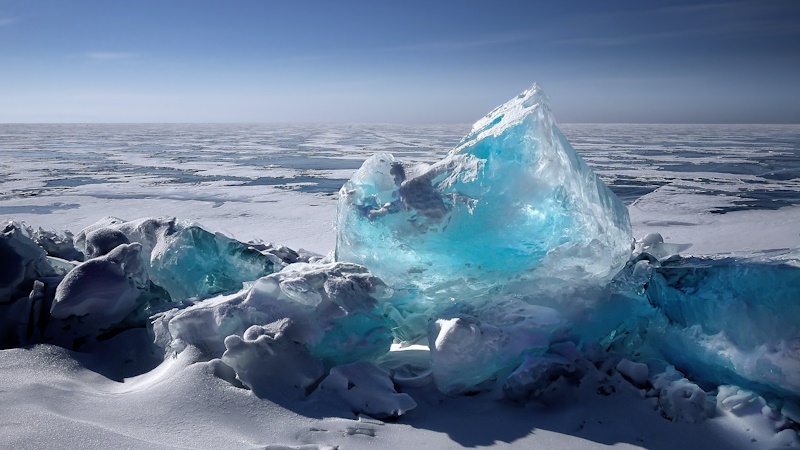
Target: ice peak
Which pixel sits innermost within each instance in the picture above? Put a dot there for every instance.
(512, 200)
(531, 103)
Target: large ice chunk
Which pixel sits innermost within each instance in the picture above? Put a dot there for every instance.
(730, 321)
(512, 200)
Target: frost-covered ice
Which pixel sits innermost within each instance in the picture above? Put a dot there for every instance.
(167, 334)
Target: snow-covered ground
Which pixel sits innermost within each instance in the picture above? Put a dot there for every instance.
(278, 184)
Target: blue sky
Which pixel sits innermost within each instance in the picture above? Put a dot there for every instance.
(393, 61)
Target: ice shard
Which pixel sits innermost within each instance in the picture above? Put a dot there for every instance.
(512, 201)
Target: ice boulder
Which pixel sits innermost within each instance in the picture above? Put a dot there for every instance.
(332, 309)
(103, 289)
(680, 399)
(99, 242)
(194, 262)
(512, 201)
(21, 263)
(270, 362)
(181, 257)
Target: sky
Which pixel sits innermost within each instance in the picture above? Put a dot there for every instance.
(397, 61)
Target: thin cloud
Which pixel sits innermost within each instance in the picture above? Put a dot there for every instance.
(4, 21)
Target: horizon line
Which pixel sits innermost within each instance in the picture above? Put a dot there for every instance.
(384, 123)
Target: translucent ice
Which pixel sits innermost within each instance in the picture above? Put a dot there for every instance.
(730, 321)
(182, 258)
(194, 262)
(513, 200)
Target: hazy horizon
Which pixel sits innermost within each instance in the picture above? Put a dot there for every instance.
(466, 124)
(629, 62)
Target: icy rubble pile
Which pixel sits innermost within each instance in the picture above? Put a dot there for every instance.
(508, 267)
(116, 275)
(328, 310)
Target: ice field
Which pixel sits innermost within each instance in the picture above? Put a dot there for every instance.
(454, 293)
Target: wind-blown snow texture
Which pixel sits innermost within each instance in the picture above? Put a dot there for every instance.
(509, 261)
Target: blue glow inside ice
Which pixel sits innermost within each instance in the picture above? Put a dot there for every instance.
(198, 263)
(504, 258)
(512, 201)
(731, 321)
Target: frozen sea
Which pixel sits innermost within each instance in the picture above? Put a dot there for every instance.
(278, 183)
(721, 189)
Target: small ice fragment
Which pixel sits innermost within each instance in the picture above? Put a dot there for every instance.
(534, 374)
(367, 390)
(636, 372)
(99, 242)
(652, 239)
(787, 438)
(732, 398)
(363, 418)
(680, 399)
(770, 413)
